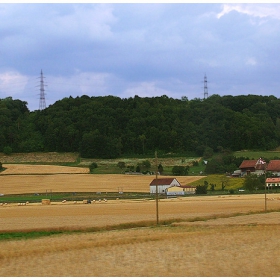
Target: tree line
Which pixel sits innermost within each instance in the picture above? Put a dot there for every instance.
(110, 127)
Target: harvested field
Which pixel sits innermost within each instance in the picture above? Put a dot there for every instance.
(218, 236)
(113, 212)
(15, 169)
(15, 183)
(224, 248)
(38, 157)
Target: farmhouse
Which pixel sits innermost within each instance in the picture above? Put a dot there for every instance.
(272, 182)
(252, 166)
(163, 184)
(180, 190)
(274, 167)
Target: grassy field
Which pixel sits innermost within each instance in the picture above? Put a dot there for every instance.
(258, 154)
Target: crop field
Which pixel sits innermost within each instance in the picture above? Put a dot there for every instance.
(222, 235)
(21, 178)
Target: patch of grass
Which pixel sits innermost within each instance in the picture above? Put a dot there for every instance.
(233, 183)
(257, 154)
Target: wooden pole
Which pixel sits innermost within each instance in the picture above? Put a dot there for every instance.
(265, 202)
(157, 218)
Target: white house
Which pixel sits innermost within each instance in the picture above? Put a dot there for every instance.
(272, 182)
(163, 184)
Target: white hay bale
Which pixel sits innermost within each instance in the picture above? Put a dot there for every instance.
(99, 200)
(105, 199)
(19, 204)
(75, 202)
(85, 201)
(1, 204)
(93, 201)
(63, 201)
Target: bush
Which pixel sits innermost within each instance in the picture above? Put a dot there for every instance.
(231, 191)
(201, 189)
(92, 167)
(180, 170)
(121, 164)
(7, 150)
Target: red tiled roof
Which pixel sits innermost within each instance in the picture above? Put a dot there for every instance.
(248, 163)
(252, 163)
(162, 181)
(272, 180)
(274, 165)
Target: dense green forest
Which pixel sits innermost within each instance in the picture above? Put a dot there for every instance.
(110, 127)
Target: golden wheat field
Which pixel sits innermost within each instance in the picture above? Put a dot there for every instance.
(228, 235)
(24, 178)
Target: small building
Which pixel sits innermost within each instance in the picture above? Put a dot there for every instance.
(272, 182)
(252, 166)
(175, 190)
(274, 167)
(163, 184)
(180, 190)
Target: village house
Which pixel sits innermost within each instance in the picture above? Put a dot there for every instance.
(274, 167)
(253, 166)
(272, 182)
(163, 184)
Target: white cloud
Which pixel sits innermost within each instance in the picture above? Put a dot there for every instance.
(255, 10)
(251, 61)
(12, 83)
(89, 21)
(145, 89)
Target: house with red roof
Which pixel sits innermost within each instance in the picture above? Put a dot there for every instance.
(272, 182)
(274, 167)
(257, 166)
(163, 184)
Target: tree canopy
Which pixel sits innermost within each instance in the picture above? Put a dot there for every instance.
(109, 126)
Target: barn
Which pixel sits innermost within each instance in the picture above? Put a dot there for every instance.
(163, 184)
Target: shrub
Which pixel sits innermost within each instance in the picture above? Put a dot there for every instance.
(7, 150)
(180, 170)
(121, 164)
(231, 191)
(92, 166)
(201, 189)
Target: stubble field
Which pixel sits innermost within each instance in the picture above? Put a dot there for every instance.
(217, 235)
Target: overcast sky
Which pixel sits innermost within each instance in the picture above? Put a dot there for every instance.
(138, 49)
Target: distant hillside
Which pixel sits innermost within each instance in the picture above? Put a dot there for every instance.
(110, 127)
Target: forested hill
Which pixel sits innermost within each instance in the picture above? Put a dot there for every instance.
(109, 126)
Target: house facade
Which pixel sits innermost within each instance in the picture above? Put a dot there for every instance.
(163, 184)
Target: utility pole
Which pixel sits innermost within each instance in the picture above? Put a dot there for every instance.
(205, 87)
(156, 188)
(42, 104)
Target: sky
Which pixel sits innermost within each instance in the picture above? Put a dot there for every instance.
(146, 49)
